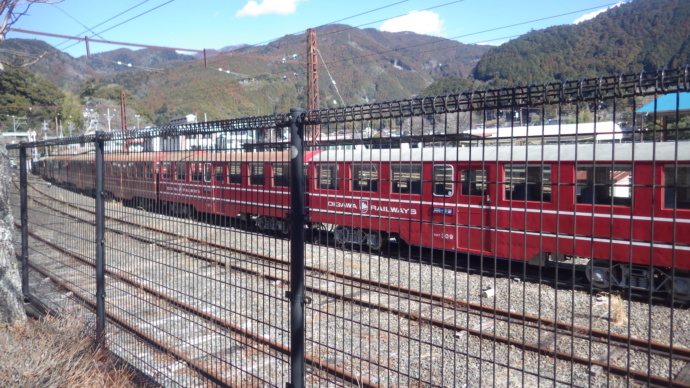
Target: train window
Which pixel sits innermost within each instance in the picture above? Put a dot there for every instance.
(165, 169)
(365, 177)
(256, 176)
(180, 171)
(148, 170)
(196, 171)
(604, 185)
(218, 171)
(139, 170)
(443, 180)
(406, 179)
(208, 172)
(281, 174)
(328, 176)
(677, 187)
(528, 183)
(473, 182)
(235, 175)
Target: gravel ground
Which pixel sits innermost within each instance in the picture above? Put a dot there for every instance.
(377, 346)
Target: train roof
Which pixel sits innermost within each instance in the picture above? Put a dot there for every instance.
(186, 156)
(604, 130)
(623, 152)
(273, 156)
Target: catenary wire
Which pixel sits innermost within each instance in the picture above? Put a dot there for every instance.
(130, 19)
(103, 22)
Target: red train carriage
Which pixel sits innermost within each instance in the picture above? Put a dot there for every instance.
(624, 206)
(56, 168)
(128, 177)
(629, 203)
(247, 185)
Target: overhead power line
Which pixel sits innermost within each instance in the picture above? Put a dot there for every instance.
(132, 18)
(285, 60)
(366, 24)
(333, 22)
(441, 40)
(394, 17)
(105, 21)
(78, 22)
(149, 46)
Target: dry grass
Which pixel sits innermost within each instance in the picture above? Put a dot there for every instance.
(615, 308)
(57, 352)
(618, 314)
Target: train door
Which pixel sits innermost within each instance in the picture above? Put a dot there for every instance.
(218, 178)
(473, 211)
(443, 229)
(211, 194)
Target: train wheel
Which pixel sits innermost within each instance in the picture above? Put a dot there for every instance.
(339, 235)
(679, 286)
(187, 212)
(374, 240)
(599, 273)
(284, 226)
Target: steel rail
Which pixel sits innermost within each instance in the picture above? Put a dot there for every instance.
(329, 368)
(574, 331)
(338, 372)
(603, 336)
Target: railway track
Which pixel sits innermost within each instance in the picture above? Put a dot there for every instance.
(535, 336)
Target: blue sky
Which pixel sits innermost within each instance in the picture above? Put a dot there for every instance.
(213, 24)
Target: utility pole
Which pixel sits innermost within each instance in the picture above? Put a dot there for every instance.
(45, 129)
(109, 117)
(314, 131)
(123, 110)
(58, 133)
(123, 119)
(17, 121)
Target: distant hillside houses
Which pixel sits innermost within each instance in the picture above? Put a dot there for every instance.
(188, 119)
(16, 137)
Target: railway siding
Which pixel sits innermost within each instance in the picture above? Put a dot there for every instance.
(342, 288)
(425, 242)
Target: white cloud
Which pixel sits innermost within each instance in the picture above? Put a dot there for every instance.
(268, 7)
(422, 22)
(594, 14)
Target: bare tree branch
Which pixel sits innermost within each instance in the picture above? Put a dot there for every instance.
(38, 58)
(10, 12)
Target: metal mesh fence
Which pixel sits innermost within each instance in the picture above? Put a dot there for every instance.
(521, 236)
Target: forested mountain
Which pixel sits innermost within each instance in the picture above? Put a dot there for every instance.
(21, 88)
(641, 34)
(70, 73)
(356, 65)
(364, 65)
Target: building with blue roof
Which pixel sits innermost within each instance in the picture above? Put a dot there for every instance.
(671, 105)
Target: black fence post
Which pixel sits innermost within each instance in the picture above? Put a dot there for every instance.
(24, 219)
(100, 239)
(297, 218)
